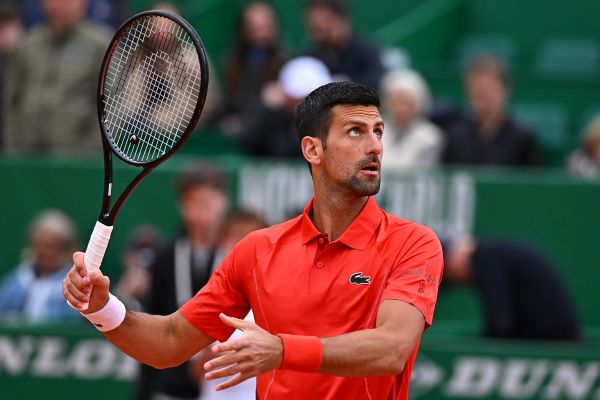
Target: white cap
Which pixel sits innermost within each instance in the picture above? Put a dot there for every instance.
(301, 75)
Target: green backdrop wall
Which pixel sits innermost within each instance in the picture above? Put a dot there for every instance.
(558, 213)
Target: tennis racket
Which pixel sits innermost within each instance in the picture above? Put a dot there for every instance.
(151, 90)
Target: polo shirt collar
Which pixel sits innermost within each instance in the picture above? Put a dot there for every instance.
(357, 235)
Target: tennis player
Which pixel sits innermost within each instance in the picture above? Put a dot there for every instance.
(341, 294)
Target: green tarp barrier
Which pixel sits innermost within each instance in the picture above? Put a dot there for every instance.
(75, 361)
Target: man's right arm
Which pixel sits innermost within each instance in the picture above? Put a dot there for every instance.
(160, 341)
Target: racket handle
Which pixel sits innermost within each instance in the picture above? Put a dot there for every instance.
(97, 246)
(95, 250)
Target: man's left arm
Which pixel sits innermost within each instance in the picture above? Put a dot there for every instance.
(382, 350)
(405, 311)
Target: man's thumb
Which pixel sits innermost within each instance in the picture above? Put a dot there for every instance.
(100, 286)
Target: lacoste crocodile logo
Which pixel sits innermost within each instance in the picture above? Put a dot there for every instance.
(357, 278)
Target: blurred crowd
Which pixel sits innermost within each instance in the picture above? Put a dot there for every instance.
(50, 54)
(50, 51)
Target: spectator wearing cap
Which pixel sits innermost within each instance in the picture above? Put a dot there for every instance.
(271, 133)
(183, 267)
(410, 140)
(33, 290)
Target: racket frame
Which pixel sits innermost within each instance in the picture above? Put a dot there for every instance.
(107, 215)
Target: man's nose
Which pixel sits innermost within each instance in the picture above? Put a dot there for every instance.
(374, 146)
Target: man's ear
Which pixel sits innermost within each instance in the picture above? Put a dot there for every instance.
(312, 149)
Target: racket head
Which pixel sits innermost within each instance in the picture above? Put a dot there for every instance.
(152, 87)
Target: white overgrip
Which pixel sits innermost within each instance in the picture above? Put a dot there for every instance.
(97, 246)
(95, 252)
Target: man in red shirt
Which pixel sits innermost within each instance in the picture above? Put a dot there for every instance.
(341, 294)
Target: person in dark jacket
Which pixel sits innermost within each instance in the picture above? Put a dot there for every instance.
(347, 55)
(490, 136)
(522, 294)
(184, 266)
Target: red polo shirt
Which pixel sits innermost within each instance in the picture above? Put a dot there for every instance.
(298, 283)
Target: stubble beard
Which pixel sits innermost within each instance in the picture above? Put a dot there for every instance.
(364, 186)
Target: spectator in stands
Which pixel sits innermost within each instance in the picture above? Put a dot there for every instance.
(213, 94)
(410, 140)
(255, 60)
(11, 31)
(51, 95)
(141, 249)
(347, 55)
(33, 290)
(521, 292)
(585, 161)
(110, 12)
(184, 266)
(490, 136)
(271, 130)
(238, 225)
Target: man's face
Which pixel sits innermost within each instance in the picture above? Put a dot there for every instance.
(203, 209)
(64, 15)
(487, 94)
(50, 253)
(353, 152)
(260, 25)
(400, 107)
(326, 27)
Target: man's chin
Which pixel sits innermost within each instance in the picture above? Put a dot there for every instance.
(363, 187)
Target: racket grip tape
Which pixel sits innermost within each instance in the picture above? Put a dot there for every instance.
(97, 246)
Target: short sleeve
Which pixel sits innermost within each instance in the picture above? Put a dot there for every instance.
(224, 293)
(416, 275)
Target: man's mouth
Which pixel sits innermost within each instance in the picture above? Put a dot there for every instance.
(371, 168)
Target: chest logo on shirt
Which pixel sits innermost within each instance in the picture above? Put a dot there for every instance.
(357, 278)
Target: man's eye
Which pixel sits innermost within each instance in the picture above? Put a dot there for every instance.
(379, 133)
(354, 132)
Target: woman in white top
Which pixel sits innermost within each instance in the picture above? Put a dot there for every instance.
(409, 141)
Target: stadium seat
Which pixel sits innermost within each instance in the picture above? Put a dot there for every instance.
(472, 45)
(550, 121)
(568, 57)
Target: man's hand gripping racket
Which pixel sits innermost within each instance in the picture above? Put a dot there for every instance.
(151, 91)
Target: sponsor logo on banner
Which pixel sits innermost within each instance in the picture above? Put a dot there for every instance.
(485, 377)
(442, 201)
(54, 357)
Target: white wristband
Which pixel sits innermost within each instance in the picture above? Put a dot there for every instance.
(110, 316)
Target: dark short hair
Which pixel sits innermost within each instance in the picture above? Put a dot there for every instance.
(313, 115)
(337, 7)
(489, 63)
(202, 175)
(244, 216)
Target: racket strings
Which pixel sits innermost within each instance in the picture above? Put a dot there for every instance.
(152, 88)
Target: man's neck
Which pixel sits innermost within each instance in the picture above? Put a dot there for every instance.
(490, 124)
(332, 213)
(62, 32)
(201, 240)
